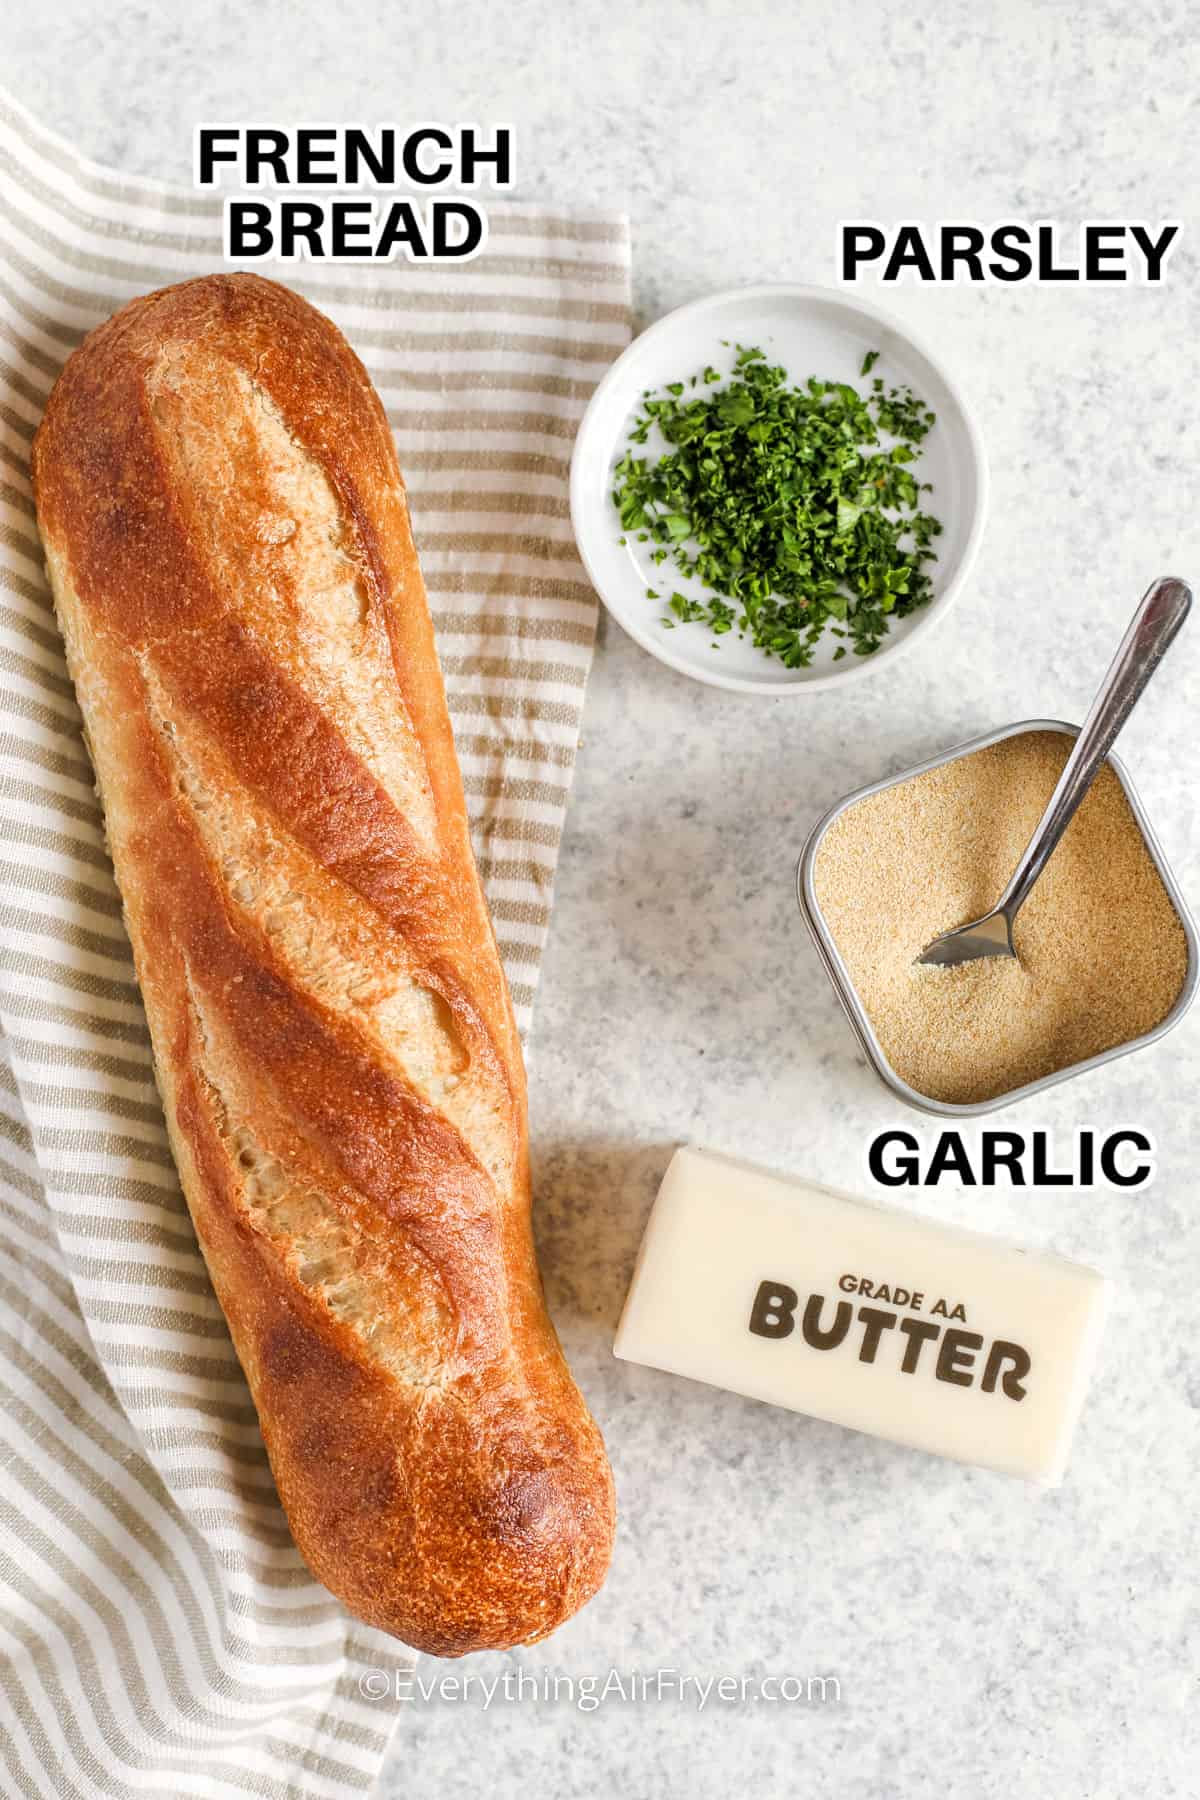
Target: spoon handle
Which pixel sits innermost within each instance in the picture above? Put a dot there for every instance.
(1151, 631)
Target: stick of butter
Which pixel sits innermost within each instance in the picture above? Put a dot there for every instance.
(864, 1315)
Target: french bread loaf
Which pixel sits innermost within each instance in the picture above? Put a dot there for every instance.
(229, 546)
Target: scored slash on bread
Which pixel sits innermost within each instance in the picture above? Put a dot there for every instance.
(229, 546)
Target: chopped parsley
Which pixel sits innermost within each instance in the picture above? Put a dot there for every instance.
(785, 504)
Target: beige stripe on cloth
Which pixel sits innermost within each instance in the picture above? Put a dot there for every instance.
(158, 1631)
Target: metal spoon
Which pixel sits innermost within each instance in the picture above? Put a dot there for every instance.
(1151, 631)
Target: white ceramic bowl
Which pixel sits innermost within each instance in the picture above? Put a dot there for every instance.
(810, 331)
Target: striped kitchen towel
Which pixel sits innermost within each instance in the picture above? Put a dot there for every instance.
(158, 1631)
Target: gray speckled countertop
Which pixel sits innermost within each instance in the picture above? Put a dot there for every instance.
(989, 1641)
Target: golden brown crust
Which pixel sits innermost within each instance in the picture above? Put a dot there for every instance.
(229, 545)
